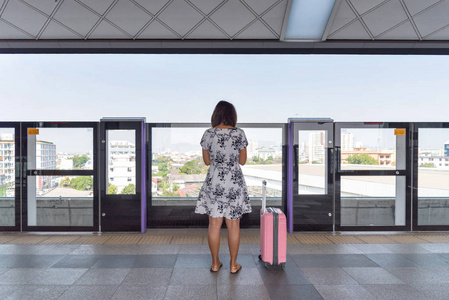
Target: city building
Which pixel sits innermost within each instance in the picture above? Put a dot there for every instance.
(121, 164)
(383, 157)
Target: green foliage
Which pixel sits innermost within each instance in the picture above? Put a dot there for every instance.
(112, 189)
(64, 182)
(260, 161)
(196, 166)
(362, 159)
(79, 161)
(175, 187)
(166, 193)
(82, 183)
(130, 189)
(163, 164)
(427, 165)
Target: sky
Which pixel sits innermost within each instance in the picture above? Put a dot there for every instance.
(186, 88)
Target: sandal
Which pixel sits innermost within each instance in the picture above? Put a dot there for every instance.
(212, 267)
(236, 269)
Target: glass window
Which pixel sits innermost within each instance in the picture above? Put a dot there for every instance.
(60, 201)
(61, 149)
(178, 170)
(433, 179)
(368, 148)
(312, 161)
(372, 200)
(121, 164)
(7, 177)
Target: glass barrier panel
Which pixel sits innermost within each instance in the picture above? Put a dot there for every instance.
(433, 176)
(60, 201)
(121, 162)
(60, 149)
(312, 162)
(368, 148)
(372, 200)
(178, 170)
(7, 177)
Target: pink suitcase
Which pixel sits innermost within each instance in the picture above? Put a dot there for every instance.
(273, 234)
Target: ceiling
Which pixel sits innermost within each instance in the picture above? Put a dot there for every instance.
(406, 26)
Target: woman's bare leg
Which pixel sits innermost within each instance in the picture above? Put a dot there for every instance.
(233, 239)
(213, 237)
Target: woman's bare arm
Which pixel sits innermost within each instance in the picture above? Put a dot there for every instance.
(242, 156)
(206, 157)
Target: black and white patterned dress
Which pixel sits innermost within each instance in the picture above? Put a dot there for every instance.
(224, 192)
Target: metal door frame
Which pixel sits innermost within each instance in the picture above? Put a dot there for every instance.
(407, 173)
(414, 187)
(17, 176)
(25, 173)
(120, 202)
(292, 192)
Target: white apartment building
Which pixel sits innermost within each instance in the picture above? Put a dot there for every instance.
(122, 164)
(347, 142)
(317, 141)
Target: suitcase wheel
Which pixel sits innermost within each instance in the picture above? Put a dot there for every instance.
(260, 257)
(266, 265)
(282, 266)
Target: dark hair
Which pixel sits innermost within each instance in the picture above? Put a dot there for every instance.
(224, 113)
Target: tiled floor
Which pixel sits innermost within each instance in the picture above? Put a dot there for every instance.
(174, 264)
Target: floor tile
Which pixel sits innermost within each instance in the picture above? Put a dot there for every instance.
(155, 261)
(246, 276)
(103, 277)
(391, 260)
(97, 292)
(58, 276)
(328, 276)
(298, 291)
(292, 274)
(394, 292)
(304, 249)
(6, 290)
(19, 276)
(148, 276)
(406, 248)
(115, 261)
(193, 277)
(372, 276)
(372, 248)
(436, 248)
(140, 292)
(338, 292)
(159, 249)
(194, 292)
(242, 292)
(29, 261)
(433, 291)
(193, 261)
(428, 260)
(418, 275)
(339, 249)
(315, 260)
(77, 261)
(34, 292)
(3, 270)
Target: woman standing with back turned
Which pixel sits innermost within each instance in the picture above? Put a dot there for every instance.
(224, 192)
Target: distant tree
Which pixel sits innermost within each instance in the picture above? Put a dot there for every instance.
(130, 189)
(64, 182)
(362, 159)
(427, 165)
(79, 161)
(112, 189)
(82, 183)
(166, 193)
(316, 162)
(175, 187)
(196, 166)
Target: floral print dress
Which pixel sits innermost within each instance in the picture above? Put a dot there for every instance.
(224, 192)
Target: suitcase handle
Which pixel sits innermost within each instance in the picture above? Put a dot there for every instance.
(264, 196)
